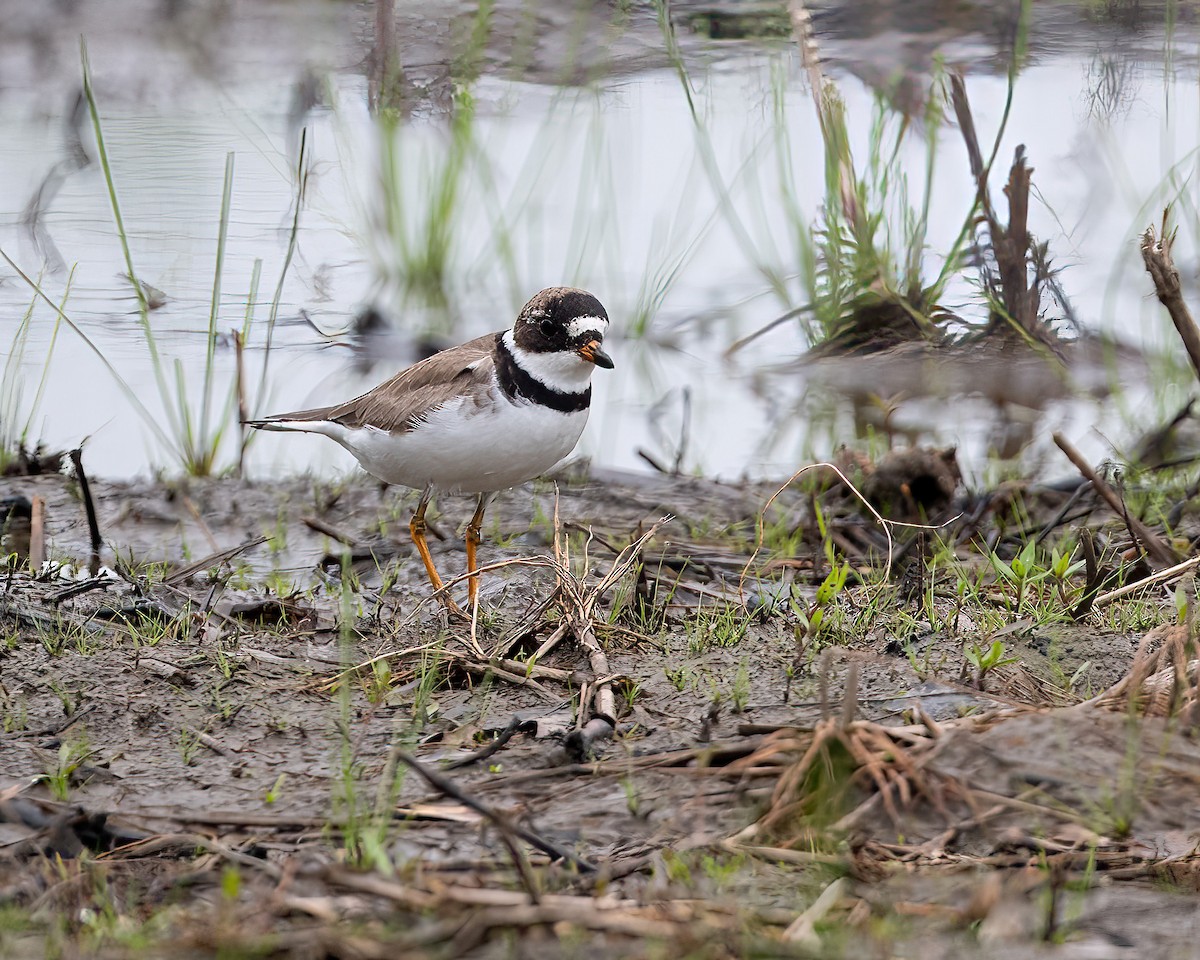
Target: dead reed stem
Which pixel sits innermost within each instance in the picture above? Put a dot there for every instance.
(1156, 254)
(89, 504)
(239, 346)
(1156, 549)
(37, 535)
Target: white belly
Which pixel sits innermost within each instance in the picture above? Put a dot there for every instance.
(462, 448)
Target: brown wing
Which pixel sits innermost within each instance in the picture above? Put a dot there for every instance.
(396, 405)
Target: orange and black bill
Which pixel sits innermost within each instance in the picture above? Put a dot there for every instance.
(592, 353)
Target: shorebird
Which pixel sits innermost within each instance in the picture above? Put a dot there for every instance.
(477, 418)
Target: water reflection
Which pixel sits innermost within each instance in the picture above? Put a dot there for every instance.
(572, 158)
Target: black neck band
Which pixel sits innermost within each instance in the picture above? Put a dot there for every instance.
(519, 384)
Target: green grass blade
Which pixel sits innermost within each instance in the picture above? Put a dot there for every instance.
(10, 387)
(187, 433)
(130, 394)
(252, 296)
(301, 188)
(94, 111)
(215, 307)
(139, 292)
(45, 377)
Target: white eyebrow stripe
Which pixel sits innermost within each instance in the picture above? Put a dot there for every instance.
(594, 324)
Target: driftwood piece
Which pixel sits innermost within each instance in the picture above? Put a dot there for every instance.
(1156, 253)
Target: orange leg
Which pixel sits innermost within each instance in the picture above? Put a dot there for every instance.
(473, 533)
(416, 526)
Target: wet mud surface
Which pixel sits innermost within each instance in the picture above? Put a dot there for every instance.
(181, 721)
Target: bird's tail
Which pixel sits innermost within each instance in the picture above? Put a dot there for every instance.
(302, 421)
(271, 424)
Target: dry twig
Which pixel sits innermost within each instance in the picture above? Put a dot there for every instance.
(37, 535)
(1158, 551)
(1156, 254)
(450, 789)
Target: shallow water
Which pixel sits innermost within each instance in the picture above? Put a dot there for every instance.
(599, 185)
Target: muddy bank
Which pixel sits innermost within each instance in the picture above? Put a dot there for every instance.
(218, 738)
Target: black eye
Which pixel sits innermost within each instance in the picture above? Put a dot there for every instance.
(547, 327)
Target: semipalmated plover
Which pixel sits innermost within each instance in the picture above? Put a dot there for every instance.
(477, 418)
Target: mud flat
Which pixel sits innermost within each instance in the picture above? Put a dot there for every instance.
(251, 732)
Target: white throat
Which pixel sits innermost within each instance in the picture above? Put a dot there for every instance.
(561, 370)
